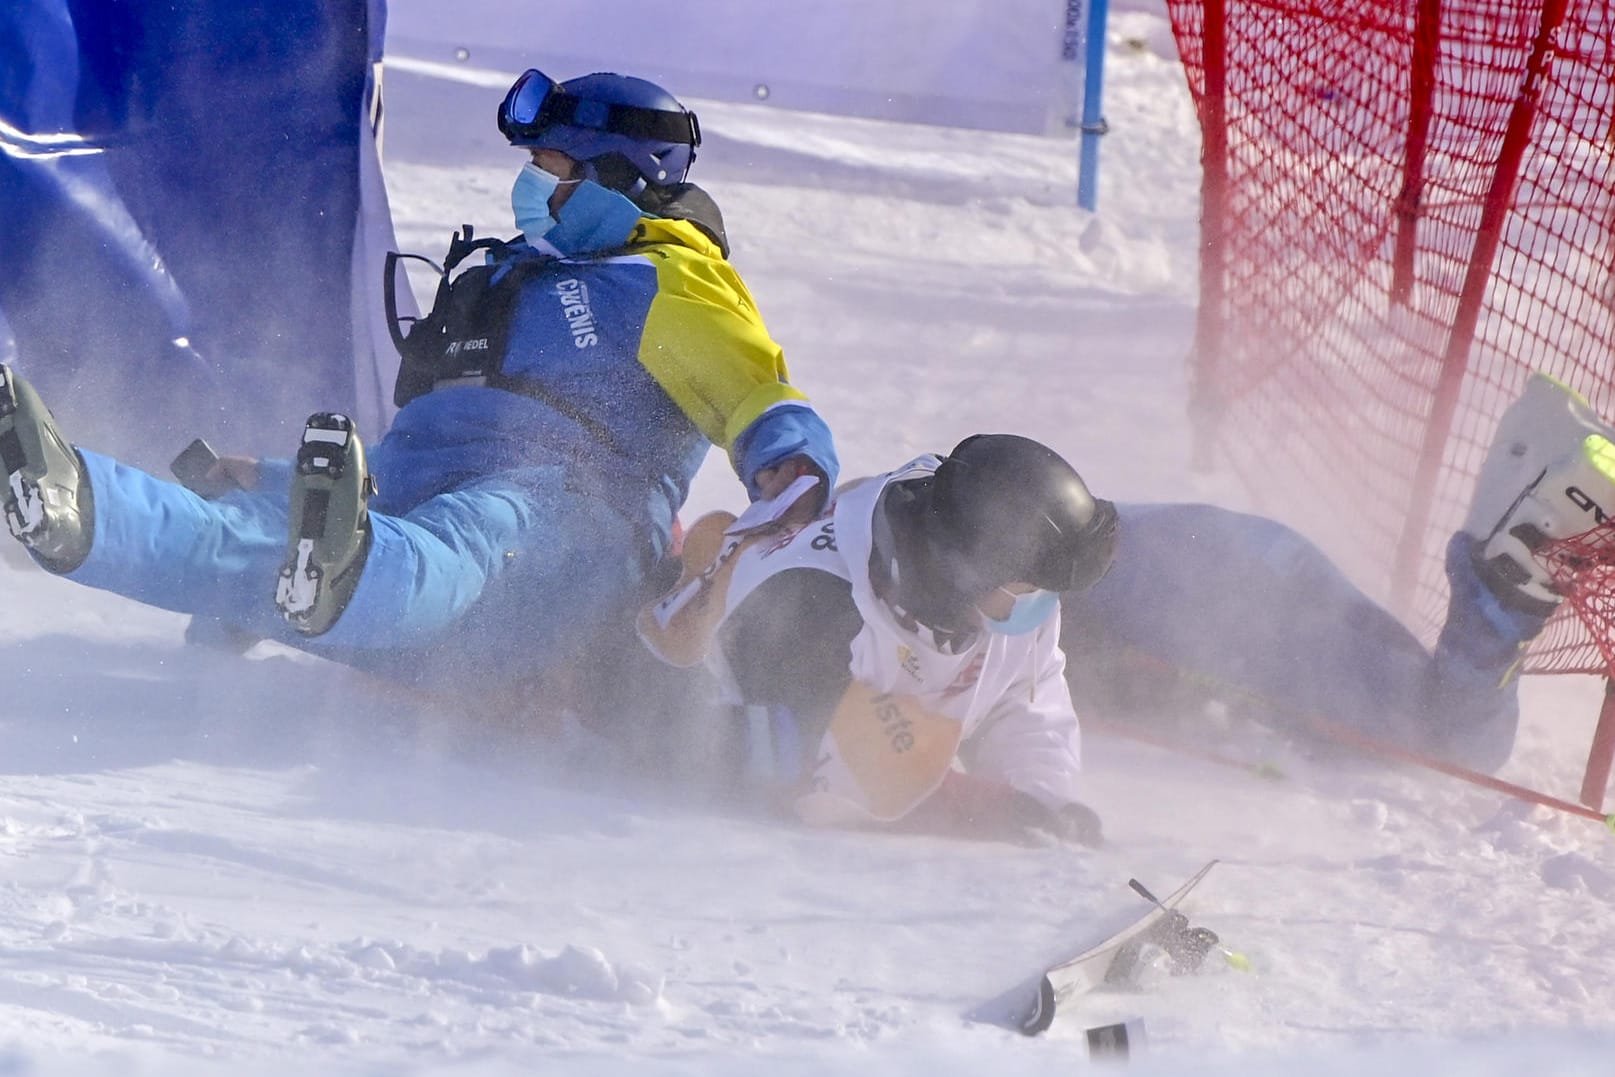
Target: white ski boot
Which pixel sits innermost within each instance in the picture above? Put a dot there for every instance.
(1549, 474)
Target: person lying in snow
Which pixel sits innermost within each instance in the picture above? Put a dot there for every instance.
(917, 648)
(1206, 605)
(905, 644)
(553, 409)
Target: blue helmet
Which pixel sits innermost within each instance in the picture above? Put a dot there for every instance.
(629, 133)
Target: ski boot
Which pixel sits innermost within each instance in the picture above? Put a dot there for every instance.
(328, 533)
(48, 504)
(1548, 420)
(1549, 474)
(1572, 494)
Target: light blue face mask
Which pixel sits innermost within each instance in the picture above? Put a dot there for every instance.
(595, 218)
(530, 200)
(1026, 615)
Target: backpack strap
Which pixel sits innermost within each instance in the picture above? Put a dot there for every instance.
(464, 338)
(471, 302)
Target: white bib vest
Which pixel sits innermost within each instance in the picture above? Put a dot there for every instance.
(912, 705)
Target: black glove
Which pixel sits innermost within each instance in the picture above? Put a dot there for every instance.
(1070, 824)
(1080, 825)
(990, 810)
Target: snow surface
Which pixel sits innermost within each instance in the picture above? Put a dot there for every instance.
(262, 865)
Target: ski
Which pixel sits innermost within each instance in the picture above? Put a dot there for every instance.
(1029, 1007)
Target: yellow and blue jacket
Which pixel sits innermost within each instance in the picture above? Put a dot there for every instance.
(623, 364)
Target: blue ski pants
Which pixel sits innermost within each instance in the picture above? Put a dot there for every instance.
(494, 581)
(1203, 603)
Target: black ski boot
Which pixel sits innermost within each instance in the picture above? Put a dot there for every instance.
(48, 503)
(328, 533)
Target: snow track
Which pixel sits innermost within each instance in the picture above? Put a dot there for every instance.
(257, 864)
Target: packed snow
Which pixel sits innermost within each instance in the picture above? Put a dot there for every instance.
(265, 864)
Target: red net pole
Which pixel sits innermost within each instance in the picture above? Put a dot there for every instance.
(1455, 360)
(1426, 51)
(1596, 780)
(1583, 569)
(1210, 316)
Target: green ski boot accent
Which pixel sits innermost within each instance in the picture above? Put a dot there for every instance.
(48, 504)
(328, 534)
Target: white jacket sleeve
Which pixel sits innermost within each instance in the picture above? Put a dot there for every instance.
(1031, 740)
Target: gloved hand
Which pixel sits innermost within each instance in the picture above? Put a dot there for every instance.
(1079, 824)
(772, 484)
(1070, 824)
(976, 808)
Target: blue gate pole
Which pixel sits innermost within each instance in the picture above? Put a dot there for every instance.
(1093, 117)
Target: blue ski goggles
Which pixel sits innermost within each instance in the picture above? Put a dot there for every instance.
(536, 103)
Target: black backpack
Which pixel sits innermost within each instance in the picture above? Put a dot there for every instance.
(467, 331)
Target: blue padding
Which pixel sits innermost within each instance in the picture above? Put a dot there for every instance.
(196, 210)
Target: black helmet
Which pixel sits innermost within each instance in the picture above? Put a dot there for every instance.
(1000, 509)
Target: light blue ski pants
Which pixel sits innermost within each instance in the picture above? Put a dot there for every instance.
(500, 578)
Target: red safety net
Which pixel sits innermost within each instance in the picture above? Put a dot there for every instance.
(1407, 208)
(1583, 568)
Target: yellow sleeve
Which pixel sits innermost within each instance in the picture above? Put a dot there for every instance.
(706, 345)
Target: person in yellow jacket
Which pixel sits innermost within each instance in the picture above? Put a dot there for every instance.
(554, 407)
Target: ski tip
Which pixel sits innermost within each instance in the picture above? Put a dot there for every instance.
(1269, 770)
(1609, 821)
(1042, 1016)
(1236, 960)
(1026, 1008)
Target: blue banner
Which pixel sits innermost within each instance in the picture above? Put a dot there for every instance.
(192, 202)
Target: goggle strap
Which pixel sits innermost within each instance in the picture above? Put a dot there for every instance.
(651, 124)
